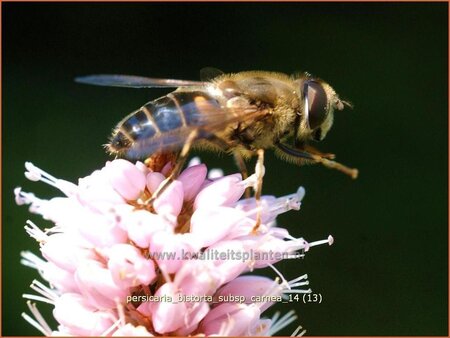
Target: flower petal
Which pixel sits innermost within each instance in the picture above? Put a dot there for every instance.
(79, 317)
(126, 179)
(167, 316)
(212, 224)
(171, 200)
(192, 178)
(223, 191)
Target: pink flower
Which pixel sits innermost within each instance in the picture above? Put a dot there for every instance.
(119, 267)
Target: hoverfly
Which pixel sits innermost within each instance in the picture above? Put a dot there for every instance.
(234, 113)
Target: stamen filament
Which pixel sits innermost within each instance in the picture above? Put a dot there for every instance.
(296, 334)
(40, 321)
(34, 323)
(38, 298)
(281, 323)
(34, 232)
(329, 241)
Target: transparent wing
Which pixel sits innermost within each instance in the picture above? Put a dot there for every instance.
(207, 124)
(131, 81)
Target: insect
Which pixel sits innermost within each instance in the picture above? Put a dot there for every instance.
(234, 113)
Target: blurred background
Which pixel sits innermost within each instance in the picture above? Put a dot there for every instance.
(386, 273)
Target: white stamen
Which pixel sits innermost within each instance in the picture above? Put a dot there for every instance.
(35, 312)
(284, 282)
(37, 298)
(329, 241)
(110, 329)
(38, 321)
(295, 280)
(280, 323)
(34, 323)
(33, 173)
(34, 232)
(275, 316)
(296, 283)
(45, 291)
(32, 176)
(30, 260)
(296, 255)
(298, 291)
(24, 197)
(296, 334)
(36, 174)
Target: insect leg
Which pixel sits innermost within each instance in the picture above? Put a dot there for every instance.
(295, 154)
(176, 169)
(242, 168)
(312, 150)
(259, 170)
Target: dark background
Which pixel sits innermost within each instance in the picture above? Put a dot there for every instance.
(387, 272)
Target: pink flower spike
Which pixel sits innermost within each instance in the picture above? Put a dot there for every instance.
(117, 267)
(222, 192)
(128, 267)
(192, 178)
(126, 179)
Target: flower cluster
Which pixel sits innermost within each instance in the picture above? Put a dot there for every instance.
(118, 266)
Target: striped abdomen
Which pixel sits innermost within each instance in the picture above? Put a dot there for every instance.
(162, 124)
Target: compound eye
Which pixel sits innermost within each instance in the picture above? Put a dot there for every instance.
(317, 103)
